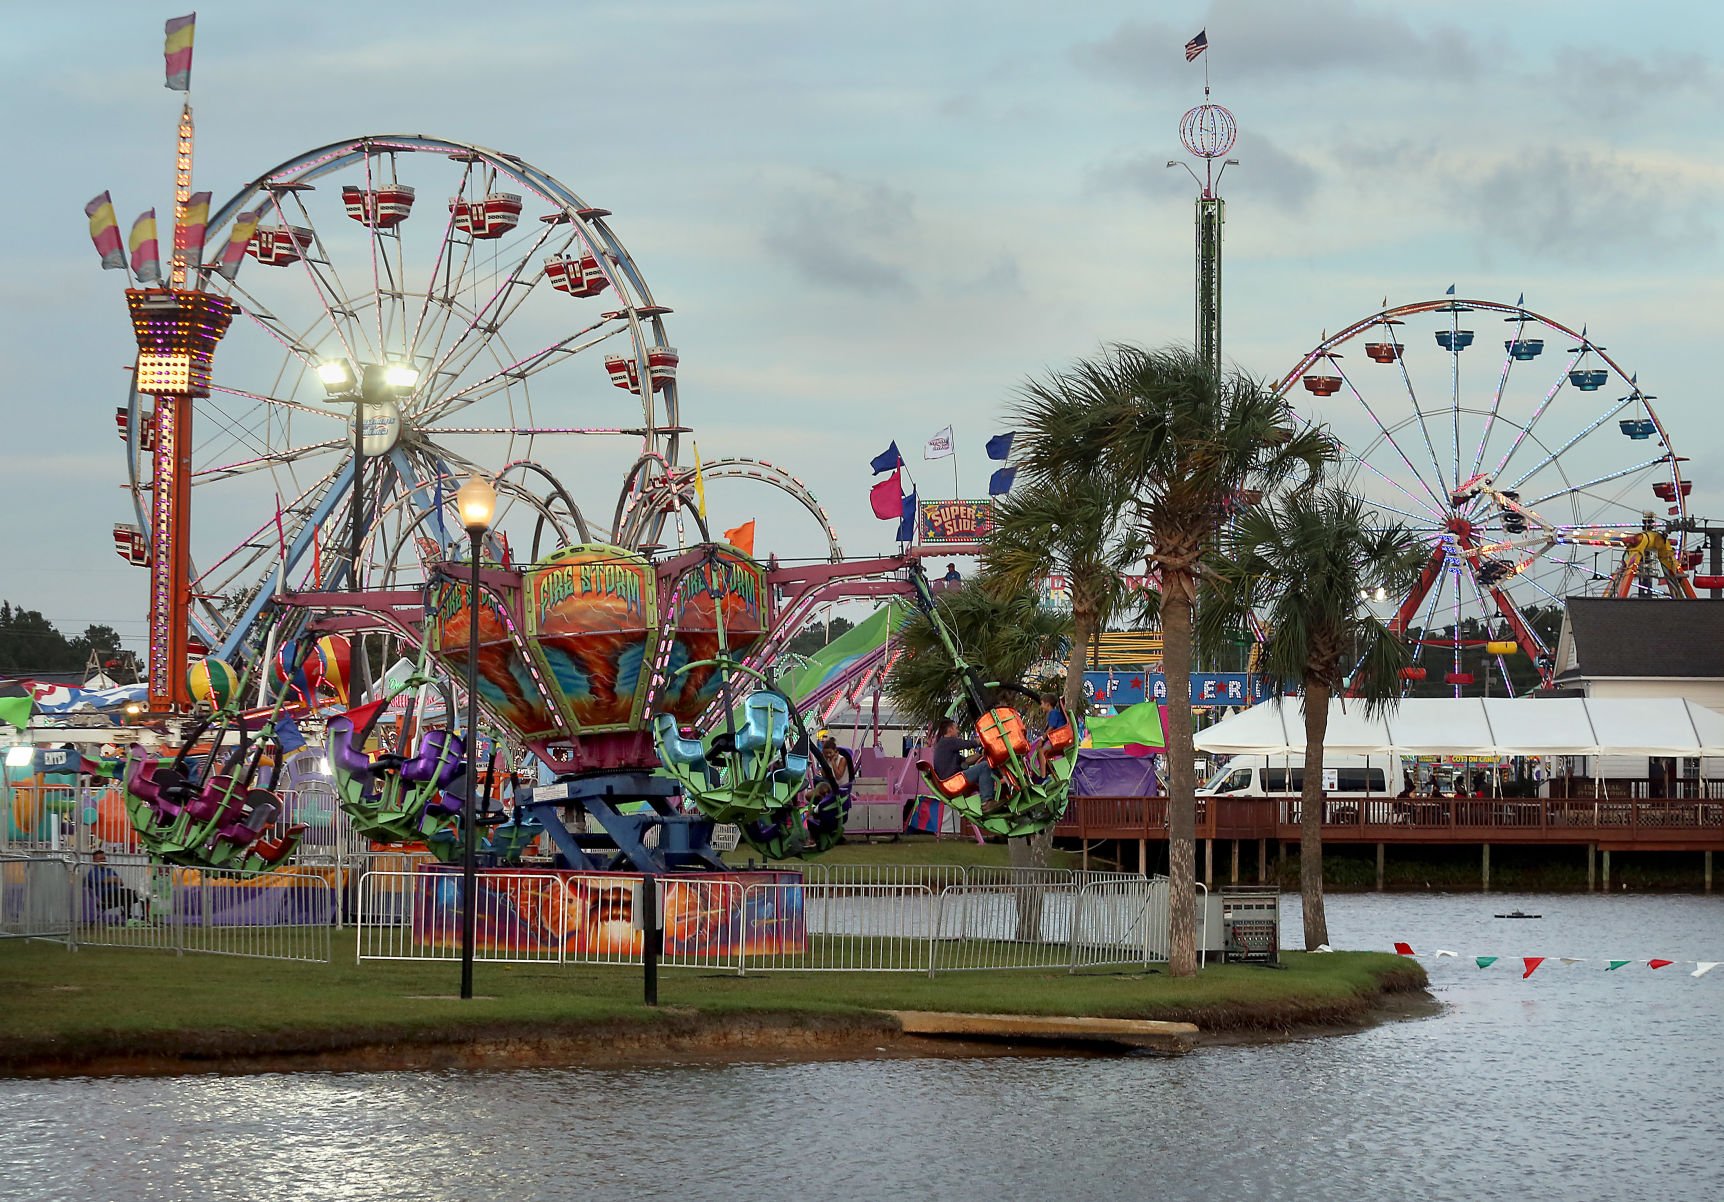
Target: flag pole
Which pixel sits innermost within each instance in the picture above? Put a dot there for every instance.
(955, 467)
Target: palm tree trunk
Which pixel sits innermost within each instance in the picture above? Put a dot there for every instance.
(1181, 778)
(1083, 630)
(1311, 802)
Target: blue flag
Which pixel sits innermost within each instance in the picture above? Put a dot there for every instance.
(1450, 291)
(437, 510)
(1000, 446)
(1001, 481)
(288, 733)
(886, 460)
(907, 517)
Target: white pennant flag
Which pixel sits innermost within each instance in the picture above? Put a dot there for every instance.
(939, 446)
(1443, 951)
(1702, 967)
(1571, 961)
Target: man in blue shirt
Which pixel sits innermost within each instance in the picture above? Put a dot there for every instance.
(949, 760)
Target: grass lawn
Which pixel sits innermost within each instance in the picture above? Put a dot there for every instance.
(919, 849)
(109, 1001)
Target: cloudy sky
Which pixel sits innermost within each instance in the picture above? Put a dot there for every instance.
(876, 219)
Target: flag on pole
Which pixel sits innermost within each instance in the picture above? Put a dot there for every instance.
(177, 50)
(939, 446)
(907, 519)
(233, 254)
(1449, 291)
(742, 537)
(189, 233)
(437, 511)
(146, 251)
(105, 232)
(886, 460)
(699, 484)
(1001, 481)
(1000, 446)
(885, 496)
(16, 704)
(1195, 46)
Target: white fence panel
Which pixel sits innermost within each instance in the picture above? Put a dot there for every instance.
(705, 923)
(35, 899)
(519, 917)
(840, 927)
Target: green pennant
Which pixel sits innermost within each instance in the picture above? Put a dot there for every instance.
(1484, 961)
(16, 710)
(1616, 964)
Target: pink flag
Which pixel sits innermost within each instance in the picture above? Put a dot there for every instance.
(887, 498)
(189, 232)
(105, 231)
(146, 253)
(233, 254)
(177, 50)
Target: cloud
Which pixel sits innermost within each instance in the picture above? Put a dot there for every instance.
(833, 233)
(1311, 38)
(1604, 88)
(1580, 202)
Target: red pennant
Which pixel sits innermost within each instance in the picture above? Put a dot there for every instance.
(1403, 949)
(1659, 963)
(359, 715)
(1532, 963)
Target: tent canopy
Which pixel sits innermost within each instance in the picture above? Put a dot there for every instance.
(1493, 726)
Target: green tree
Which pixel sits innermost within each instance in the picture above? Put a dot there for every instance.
(817, 634)
(1301, 565)
(1191, 447)
(999, 636)
(1077, 524)
(29, 643)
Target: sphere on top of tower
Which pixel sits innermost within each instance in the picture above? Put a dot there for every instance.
(1208, 131)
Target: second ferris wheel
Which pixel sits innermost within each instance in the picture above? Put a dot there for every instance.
(1520, 468)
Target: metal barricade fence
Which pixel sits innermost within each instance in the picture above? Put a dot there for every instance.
(128, 901)
(286, 915)
(1024, 924)
(519, 917)
(839, 928)
(706, 923)
(1121, 922)
(35, 899)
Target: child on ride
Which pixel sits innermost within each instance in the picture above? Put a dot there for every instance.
(1054, 715)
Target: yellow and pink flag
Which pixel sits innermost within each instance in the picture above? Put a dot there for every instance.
(189, 233)
(105, 231)
(178, 52)
(233, 254)
(146, 252)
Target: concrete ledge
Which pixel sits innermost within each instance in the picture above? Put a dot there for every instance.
(1044, 1028)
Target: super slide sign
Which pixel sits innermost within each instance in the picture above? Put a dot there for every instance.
(945, 523)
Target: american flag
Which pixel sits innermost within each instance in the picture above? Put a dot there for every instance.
(1197, 45)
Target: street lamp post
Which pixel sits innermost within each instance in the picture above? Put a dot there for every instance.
(476, 500)
(372, 384)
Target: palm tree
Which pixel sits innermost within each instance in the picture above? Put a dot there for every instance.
(1191, 446)
(1301, 565)
(1076, 525)
(1001, 636)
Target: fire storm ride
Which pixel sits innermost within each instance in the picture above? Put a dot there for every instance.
(1024, 804)
(1517, 470)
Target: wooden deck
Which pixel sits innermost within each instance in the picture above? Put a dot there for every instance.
(1616, 825)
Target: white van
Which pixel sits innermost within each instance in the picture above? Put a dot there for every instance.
(1283, 776)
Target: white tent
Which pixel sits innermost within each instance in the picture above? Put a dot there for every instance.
(1494, 726)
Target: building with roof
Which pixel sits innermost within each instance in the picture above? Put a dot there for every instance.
(1626, 649)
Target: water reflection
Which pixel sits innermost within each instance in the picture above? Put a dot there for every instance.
(1576, 1084)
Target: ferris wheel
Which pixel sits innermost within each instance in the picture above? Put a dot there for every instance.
(414, 309)
(1525, 473)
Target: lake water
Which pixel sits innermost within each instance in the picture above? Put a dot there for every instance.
(1575, 1084)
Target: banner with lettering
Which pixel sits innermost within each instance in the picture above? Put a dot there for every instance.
(592, 617)
(1120, 689)
(947, 523)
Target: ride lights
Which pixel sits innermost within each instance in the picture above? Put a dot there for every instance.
(337, 377)
(177, 332)
(401, 376)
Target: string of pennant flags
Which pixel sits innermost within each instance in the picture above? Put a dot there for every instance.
(1531, 964)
